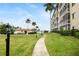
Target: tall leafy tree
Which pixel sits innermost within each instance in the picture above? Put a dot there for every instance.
(33, 24)
(28, 21)
(3, 29)
(50, 7)
(37, 28)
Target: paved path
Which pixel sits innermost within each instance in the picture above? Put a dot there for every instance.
(40, 48)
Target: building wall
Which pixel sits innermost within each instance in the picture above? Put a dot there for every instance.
(54, 21)
(74, 20)
(65, 16)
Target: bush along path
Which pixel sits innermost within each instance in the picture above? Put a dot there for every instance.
(40, 48)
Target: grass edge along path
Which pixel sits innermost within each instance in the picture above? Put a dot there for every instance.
(59, 45)
(40, 48)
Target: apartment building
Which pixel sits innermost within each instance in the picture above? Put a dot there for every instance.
(65, 16)
(74, 15)
(54, 21)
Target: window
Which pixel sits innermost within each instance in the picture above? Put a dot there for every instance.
(66, 16)
(60, 5)
(68, 6)
(73, 4)
(73, 15)
(61, 12)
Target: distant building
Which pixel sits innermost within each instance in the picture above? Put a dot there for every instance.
(22, 31)
(66, 16)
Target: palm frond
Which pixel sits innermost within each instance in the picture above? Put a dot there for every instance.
(49, 7)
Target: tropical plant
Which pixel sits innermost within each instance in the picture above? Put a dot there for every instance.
(73, 31)
(50, 7)
(36, 30)
(33, 24)
(28, 21)
(3, 29)
(37, 27)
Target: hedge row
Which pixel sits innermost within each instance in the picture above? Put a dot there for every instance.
(73, 32)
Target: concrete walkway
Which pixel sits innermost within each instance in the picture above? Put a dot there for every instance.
(40, 48)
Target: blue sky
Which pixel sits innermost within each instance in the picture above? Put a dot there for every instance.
(17, 13)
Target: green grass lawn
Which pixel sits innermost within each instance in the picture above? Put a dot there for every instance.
(20, 45)
(59, 45)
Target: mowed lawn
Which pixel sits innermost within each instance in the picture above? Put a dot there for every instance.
(59, 45)
(20, 45)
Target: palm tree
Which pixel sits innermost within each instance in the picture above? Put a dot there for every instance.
(36, 31)
(27, 21)
(50, 7)
(37, 27)
(33, 24)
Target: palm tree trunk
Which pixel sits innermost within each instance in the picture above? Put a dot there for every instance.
(50, 19)
(50, 15)
(27, 29)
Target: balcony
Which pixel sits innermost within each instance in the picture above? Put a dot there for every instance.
(64, 9)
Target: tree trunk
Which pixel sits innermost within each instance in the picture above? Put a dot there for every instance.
(50, 15)
(27, 28)
(50, 19)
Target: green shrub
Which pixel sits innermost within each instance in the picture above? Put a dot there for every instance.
(73, 31)
(66, 32)
(56, 31)
(77, 34)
